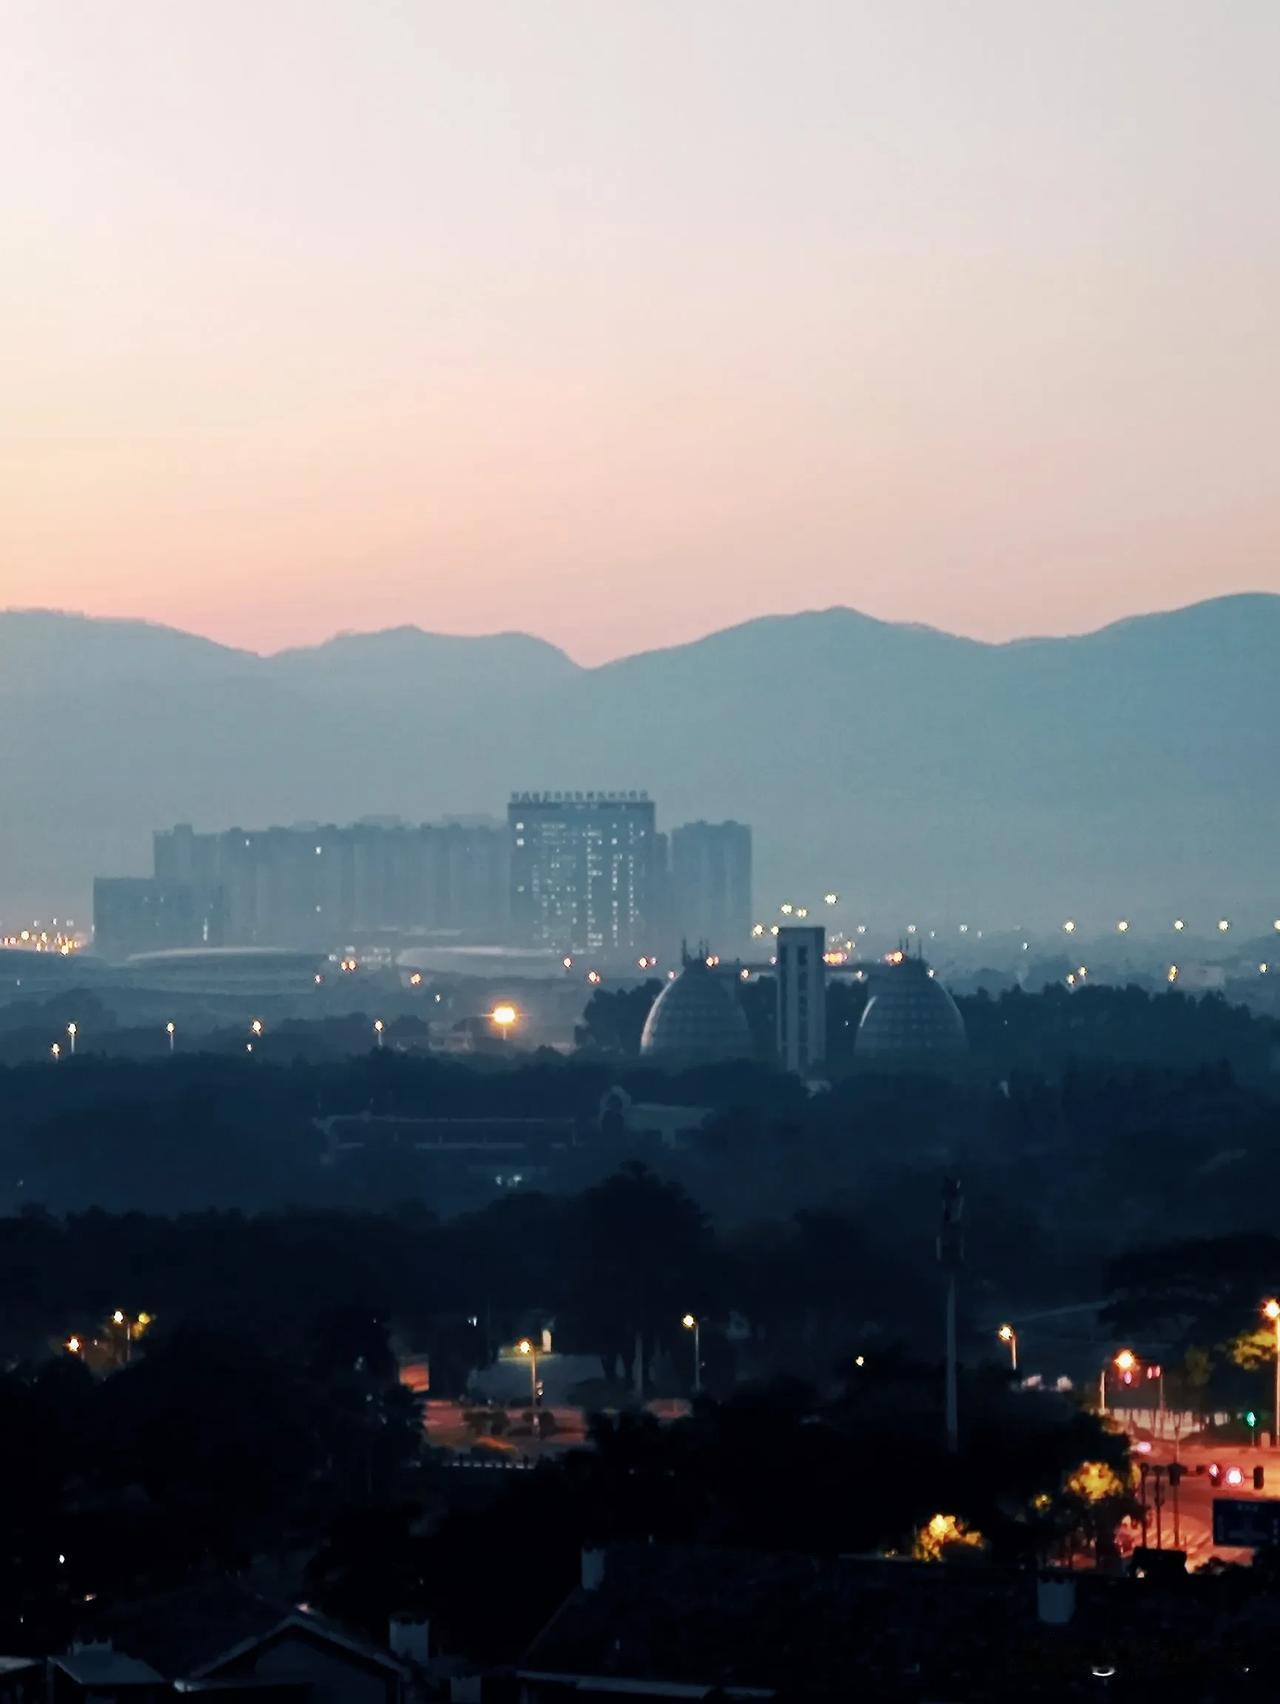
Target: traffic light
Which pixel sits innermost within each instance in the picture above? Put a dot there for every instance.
(1251, 1419)
(1258, 1474)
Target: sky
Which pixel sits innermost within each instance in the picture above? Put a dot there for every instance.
(619, 321)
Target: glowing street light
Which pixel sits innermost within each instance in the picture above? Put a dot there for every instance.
(1271, 1311)
(74, 1345)
(786, 908)
(692, 1323)
(1070, 926)
(56, 1051)
(527, 1346)
(831, 898)
(504, 1017)
(1123, 925)
(1124, 1364)
(171, 1029)
(72, 1032)
(1224, 923)
(377, 1030)
(1008, 1335)
(256, 1026)
(1179, 924)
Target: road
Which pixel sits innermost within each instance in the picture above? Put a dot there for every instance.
(1196, 1493)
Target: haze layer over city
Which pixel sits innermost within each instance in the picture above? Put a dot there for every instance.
(639, 904)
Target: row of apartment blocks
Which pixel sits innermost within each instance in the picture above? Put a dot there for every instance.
(568, 873)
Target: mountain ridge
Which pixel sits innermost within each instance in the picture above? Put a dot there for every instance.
(1267, 602)
(915, 769)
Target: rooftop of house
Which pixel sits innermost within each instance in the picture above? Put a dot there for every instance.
(686, 1621)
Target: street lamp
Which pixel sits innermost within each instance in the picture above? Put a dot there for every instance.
(692, 1323)
(504, 1017)
(170, 1029)
(56, 1052)
(526, 1346)
(74, 1345)
(1271, 1311)
(122, 1322)
(377, 1030)
(1124, 1363)
(1008, 1335)
(71, 1036)
(256, 1026)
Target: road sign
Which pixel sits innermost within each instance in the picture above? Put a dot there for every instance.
(1243, 1523)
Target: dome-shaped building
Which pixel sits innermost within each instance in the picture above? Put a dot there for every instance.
(910, 1024)
(696, 1020)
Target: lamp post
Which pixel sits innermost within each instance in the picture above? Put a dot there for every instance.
(170, 1029)
(56, 1051)
(1008, 1335)
(692, 1323)
(71, 1037)
(122, 1323)
(1124, 1363)
(377, 1030)
(526, 1346)
(504, 1016)
(1271, 1311)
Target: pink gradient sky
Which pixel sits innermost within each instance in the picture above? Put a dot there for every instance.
(621, 320)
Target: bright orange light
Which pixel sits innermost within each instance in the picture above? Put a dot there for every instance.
(504, 1016)
(1271, 1308)
(1126, 1360)
(1005, 1334)
(524, 1346)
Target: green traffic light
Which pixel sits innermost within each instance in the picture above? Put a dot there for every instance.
(1251, 1419)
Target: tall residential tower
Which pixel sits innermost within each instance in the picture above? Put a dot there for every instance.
(584, 872)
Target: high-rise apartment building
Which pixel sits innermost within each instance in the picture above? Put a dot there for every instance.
(310, 886)
(584, 872)
(710, 884)
(802, 998)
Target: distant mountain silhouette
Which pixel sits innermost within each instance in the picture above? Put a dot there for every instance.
(921, 774)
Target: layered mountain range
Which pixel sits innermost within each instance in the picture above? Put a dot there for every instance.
(1127, 771)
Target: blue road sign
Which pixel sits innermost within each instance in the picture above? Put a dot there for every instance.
(1244, 1523)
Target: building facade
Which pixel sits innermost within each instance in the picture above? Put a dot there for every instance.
(585, 872)
(710, 884)
(140, 914)
(802, 998)
(309, 886)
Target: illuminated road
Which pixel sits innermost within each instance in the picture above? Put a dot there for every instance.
(1196, 1496)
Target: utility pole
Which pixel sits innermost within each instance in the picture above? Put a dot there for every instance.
(950, 1258)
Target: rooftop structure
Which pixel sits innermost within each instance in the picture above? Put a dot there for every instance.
(696, 1020)
(910, 1023)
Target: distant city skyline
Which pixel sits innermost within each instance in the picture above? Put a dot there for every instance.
(623, 324)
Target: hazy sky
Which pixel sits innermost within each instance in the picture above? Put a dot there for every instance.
(620, 320)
